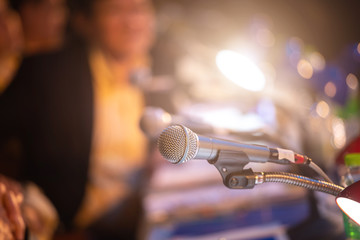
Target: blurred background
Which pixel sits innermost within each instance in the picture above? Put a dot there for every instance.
(282, 73)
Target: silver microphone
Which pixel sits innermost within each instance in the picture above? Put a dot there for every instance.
(178, 144)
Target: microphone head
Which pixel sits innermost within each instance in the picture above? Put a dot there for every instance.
(178, 144)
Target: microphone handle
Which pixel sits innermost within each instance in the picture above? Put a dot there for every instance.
(209, 148)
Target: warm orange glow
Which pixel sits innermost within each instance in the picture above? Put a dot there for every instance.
(305, 69)
(322, 109)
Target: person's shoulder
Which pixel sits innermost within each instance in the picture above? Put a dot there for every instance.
(46, 68)
(69, 54)
(39, 60)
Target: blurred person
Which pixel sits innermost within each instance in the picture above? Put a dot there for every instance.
(10, 43)
(43, 24)
(77, 115)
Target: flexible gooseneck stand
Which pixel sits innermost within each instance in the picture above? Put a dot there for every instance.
(231, 165)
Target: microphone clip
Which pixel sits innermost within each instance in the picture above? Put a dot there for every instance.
(231, 165)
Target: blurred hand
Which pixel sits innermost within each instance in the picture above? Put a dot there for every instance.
(12, 224)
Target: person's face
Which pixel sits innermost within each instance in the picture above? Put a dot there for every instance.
(44, 20)
(10, 30)
(123, 27)
(4, 33)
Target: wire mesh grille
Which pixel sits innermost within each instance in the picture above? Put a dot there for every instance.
(178, 144)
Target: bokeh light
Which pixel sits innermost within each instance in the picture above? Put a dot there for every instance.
(322, 109)
(305, 69)
(317, 61)
(241, 70)
(330, 89)
(352, 81)
(339, 133)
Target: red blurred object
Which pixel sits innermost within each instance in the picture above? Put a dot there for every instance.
(352, 147)
(349, 201)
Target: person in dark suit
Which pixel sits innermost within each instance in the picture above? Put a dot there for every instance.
(63, 108)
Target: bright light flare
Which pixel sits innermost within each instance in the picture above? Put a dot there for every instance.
(350, 207)
(241, 70)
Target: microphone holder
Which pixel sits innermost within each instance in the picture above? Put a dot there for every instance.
(231, 165)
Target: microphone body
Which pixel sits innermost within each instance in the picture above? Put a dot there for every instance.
(178, 144)
(208, 148)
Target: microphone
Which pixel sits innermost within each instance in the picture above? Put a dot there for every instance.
(178, 144)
